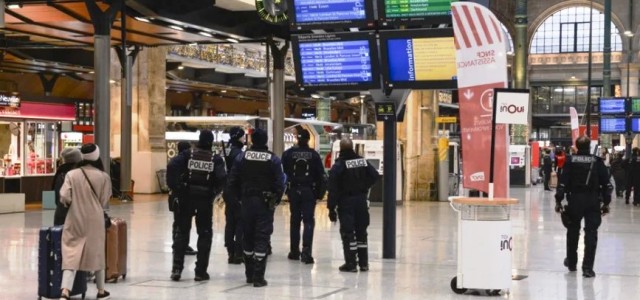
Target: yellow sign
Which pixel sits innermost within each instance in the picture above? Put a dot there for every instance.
(435, 58)
(443, 148)
(446, 120)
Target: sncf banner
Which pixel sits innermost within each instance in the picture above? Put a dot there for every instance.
(482, 66)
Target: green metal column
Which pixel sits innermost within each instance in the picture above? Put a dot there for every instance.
(521, 46)
(606, 71)
(323, 109)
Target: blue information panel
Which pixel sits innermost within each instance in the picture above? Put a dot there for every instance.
(335, 62)
(320, 11)
(635, 125)
(613, 125)
(612, 106)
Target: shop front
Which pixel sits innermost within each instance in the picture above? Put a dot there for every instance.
(29, 147)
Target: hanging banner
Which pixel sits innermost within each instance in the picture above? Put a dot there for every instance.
(482, 66)
(575, 124)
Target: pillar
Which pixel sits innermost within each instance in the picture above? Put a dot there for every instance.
(606, 68)
(419, 154)
(520, 133)
(633, 70)
(323, 109)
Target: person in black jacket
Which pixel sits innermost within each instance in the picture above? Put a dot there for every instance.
(619, 173)
(70, 157)
(350, 179)
(585, 182)
(232, 211)
(307, 184)
(547, 168)
(198, 176)
(174, 204)
(633, 177)
(258, 181)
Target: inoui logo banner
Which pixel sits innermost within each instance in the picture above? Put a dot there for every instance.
(482, 66)
(513, 108)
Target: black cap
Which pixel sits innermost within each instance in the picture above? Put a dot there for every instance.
(206, 138)
(303, 135)
(235, 133)
(183, 146)
(259, 137)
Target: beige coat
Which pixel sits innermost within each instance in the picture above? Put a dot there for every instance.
(83, 237)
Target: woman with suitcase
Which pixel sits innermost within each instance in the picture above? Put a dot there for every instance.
(86, 191)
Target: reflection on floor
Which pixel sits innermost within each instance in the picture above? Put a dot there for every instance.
(426, 250)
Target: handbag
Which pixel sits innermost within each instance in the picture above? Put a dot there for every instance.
(107, 219)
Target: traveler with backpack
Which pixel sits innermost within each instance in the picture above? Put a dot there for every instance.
(307, 184)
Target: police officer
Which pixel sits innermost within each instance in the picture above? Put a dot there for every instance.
(585, 181)
(258, 181)
(350, 179)
(233, 226)
(306, 179)
(633, 177)
(174, 201)
(203, 174)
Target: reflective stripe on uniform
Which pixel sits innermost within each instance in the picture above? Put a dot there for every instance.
(362, 245)
(261, 254)
(248, 253)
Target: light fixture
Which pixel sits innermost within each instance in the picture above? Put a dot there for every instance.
(92, 72)
(176, 27)
(141, 19)
(223, 91)
(193, 44)
(233, 40)
(573, 77)
(628, 33)
(315, 96)
(112, 81)
(14, 6)
(203, 33)
(180, 67)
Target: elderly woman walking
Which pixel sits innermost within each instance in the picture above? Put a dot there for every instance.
(86, 191)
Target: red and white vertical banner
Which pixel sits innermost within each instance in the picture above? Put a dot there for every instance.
(575, 125)
(482, 66)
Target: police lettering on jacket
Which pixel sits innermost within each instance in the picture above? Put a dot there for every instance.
(356, 163)
(582, 159)
(302, 155)
(200, 165)
(257, 156)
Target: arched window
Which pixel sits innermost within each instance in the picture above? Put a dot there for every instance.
(511, 50)
(567, 31)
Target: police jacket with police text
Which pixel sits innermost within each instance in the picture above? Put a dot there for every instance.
(196, 171)
(351, 175)
(576, 179)
(257, 170)
(303, 166)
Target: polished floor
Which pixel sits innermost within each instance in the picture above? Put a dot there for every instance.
(425, 264)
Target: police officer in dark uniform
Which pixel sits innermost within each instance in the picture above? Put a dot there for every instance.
(232, 212)
(585, 181)
(203, 174)
(350, 179)
(258, 181)
(307, 183)
(175, 196)
(633, 177)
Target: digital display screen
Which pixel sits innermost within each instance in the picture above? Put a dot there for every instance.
(635, 125)
(612, 106)
(422, 59)
(308, 14)
(635, 105)
(613, 125)
(406, 9)
(330, 61)
(419, 59)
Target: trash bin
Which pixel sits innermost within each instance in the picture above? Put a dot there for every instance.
(162, 180)
(485, 244)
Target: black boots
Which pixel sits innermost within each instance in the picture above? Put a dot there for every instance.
(294, 255)
(363, 257)
(235, 257)
(176, 274)
(249, 267)
(588, 273)
(349, 249)
(260, 266)
(306, 257)
(571, 268)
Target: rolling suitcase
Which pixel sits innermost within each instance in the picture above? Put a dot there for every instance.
(116, 245)
(553, 182)
(50, 266)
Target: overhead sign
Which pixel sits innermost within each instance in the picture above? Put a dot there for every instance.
(446, 120)
(9, 100)
(482, 66)
(612, 106)
(512, 107)
(385, 111)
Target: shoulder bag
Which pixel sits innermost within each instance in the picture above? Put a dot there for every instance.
(107, 219)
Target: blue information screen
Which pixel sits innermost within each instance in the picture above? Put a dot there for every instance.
(612, 106)
(617, 125)
(319, 11)
(635, 125)
(336, 62)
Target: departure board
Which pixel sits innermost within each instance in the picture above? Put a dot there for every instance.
(635, 125)
(312, 11)
(613, 125)
(400, 9)
(335, 60)
(612, 106)
(635, 105)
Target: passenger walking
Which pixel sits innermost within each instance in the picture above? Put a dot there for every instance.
(547, 168)
(350, 179)
(258, 181)
(307, 184)
(619, 173)
(233, 231)
(86, 192)
(203, 174)
(175, 196)
(633, 178)
(586, 185)
(70, 157)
